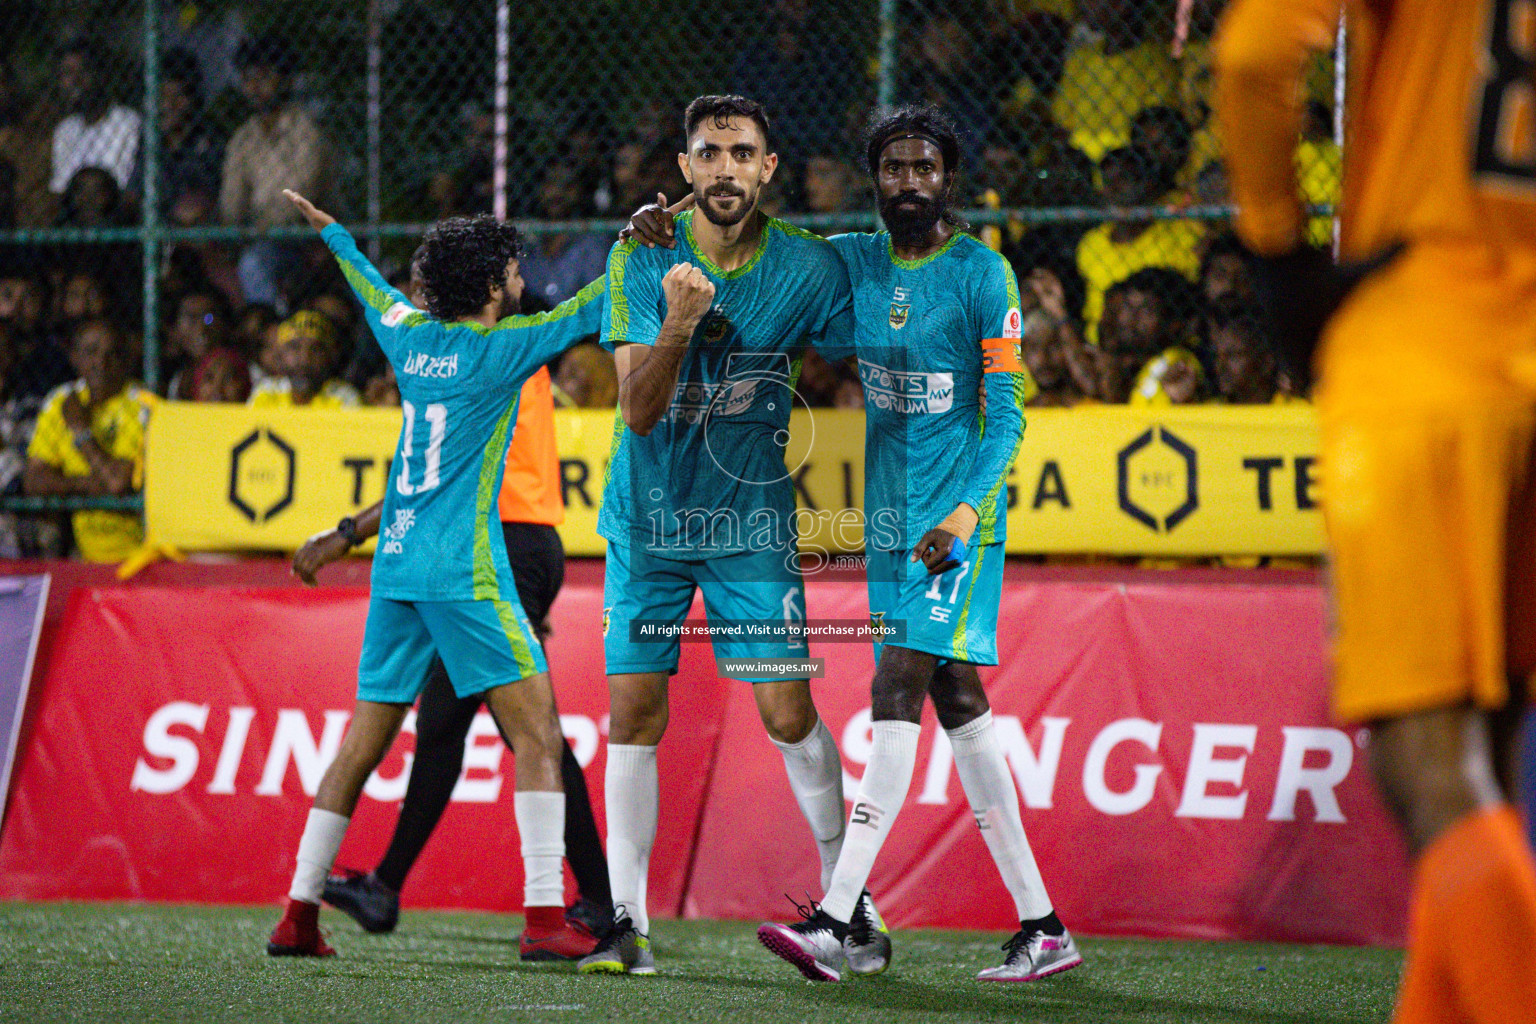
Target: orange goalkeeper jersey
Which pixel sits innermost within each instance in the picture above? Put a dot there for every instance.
(530, 489)
(1441, 119)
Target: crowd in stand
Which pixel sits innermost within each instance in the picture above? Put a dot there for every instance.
(1066, 104)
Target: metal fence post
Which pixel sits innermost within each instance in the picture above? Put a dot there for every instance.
(375, 131)
(885, 94)
(503, 75)
(151, 212)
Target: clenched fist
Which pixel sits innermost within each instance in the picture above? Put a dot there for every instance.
(689, 294)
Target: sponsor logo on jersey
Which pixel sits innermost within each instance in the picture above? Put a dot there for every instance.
(395, 315)
(394, 533)
(1013, 324)
(419, 364)
(907, 391)
(693, 401)
(899, 315)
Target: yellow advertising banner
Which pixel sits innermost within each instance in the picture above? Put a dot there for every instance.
(1193, 480)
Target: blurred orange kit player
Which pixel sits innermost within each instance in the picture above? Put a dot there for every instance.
(1427, 402)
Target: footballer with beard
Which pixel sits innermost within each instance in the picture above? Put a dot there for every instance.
(708, 337)
(937, 320)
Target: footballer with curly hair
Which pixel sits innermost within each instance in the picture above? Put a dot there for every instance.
(440, 584)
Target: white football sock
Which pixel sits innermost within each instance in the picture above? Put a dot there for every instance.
(323, 833)
(816, 775)
(541, 827)
(881, 794)
(994, 799)
(632, 793)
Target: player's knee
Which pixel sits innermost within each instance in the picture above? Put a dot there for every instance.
(901, 683)
(636, 719)
(956, 707)
(789, 721)
(896, 698)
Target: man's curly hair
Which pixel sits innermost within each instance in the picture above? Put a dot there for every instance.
(461, 259)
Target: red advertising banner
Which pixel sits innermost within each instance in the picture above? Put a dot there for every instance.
(1175, 763)
(1174, 759)
(182, 732)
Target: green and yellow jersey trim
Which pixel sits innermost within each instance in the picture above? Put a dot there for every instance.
(618, 306)
(517, 638)
(957, 645)
(487, 586)
(890, 251)
(992, 509)
(709, 265)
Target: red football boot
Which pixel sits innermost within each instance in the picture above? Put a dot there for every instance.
(298, 933)
(547, 936)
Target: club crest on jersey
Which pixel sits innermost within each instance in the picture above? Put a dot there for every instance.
(899, 315)
(716, 327)
(607, 612)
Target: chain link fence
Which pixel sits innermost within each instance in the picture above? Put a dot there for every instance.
(142, 150)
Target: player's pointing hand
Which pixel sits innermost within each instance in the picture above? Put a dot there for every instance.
(689, 293)
(318, 219)
(652, 224)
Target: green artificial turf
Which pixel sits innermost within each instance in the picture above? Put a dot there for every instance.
(123, 963)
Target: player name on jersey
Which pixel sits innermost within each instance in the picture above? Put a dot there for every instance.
(420, 364)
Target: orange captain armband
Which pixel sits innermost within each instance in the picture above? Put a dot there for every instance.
(1000, 355)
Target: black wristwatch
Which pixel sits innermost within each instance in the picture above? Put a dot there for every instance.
(348, 530)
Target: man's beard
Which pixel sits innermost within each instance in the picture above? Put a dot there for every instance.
(910, 216)
(509, 306)
(719, 218)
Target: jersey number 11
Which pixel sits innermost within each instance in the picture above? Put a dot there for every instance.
(437, 429)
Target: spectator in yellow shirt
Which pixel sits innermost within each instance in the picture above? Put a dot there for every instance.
(306, 355)
(1108, 79)
(1116, 249)
(89, 441)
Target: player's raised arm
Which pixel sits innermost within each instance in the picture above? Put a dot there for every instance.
(383, 306)
(1260, 58)
(535, 339)
(648, 363)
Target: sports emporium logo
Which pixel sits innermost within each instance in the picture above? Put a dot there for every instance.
(261, 472)
(1159, 480)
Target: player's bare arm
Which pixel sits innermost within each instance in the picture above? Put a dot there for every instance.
(316, 217)
(648, 373)
(652, 224)
(325, 547)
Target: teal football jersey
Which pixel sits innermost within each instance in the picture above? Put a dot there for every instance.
(928, 332)
(440, 538)
(710, 478)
